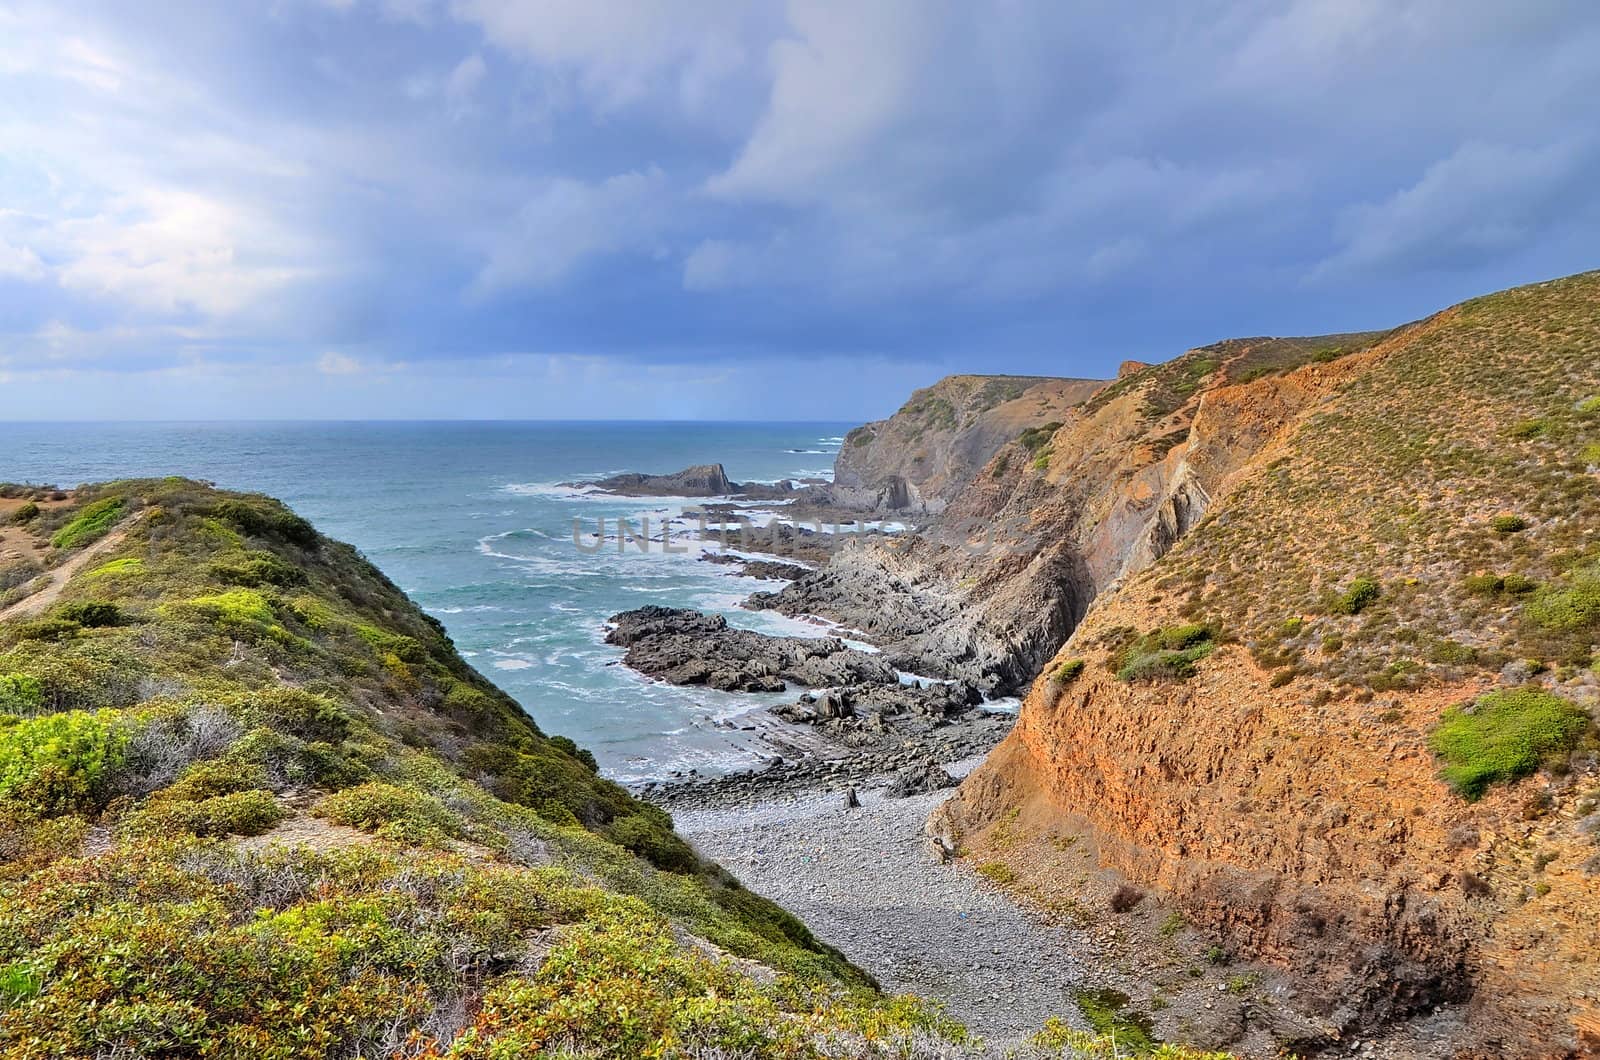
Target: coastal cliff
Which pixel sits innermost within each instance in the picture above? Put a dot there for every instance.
(1330, 680)
(921, 457)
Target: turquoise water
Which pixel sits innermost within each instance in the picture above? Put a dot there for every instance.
(469, 519)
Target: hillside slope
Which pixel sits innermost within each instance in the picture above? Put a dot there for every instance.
(253, 804)
(921, 456)
(988, 592)
(1333, 697)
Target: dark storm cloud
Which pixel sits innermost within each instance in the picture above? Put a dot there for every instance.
(375, 185)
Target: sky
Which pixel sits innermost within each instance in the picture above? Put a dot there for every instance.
(750, 209)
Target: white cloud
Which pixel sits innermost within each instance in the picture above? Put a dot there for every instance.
(332, 363)
(177, 252)
(19, 262)
(1483, 200)
(569, 222)
(846, 74)
(622, 49)
(465, 78)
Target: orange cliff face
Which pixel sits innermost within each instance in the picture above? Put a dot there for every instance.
(1280, 786)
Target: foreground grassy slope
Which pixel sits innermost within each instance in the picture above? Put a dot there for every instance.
(252, 803)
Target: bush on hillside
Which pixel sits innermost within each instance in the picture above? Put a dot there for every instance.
(1505, 735)
(20, 693)
(46, 629)
(243, 813)
(1571, 606)
(392, 812)
(91, 614)
(60, 763)
(1359, 595)
(1168, 654)
(92, 523)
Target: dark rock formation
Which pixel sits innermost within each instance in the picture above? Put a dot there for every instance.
(685, 647)
(702, 480)
(919, 779)
(766, 569)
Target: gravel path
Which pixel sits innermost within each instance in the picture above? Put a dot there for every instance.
(865, 881)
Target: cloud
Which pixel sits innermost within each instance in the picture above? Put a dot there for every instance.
(568, 222)
(1481, 202)
(19, 262)
(177, 253)
(332, 363)
(704, 183)
(465, 78)
(623, 51)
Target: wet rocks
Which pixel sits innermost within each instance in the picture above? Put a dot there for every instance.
(765, 569)
(919, 779)
(881, 707)
(685, 647)
(702, 480)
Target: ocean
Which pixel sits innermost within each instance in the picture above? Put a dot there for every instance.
(470, 519)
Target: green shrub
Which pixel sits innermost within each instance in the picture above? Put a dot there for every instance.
(998, 872)
(1570, 607)
(208, 780)
(126, 565)
(1041, 461)
(1168, 654)
(1591, 454)
(60, 763)
(1177, 638)
(243, 613)
(92, 523)
(1360, 594)
(1518, 584)
(1036, 438)
(261, 517)
(1529, 429)
(25, 514)
(1490, 584)
(237, 813)
(1508, 524)
(20, 693)
(256, 569)
(582, 754)
(1452, 653)
(1589, 406)
(47, 629)
(391, 812)
(310, 717)
(402, 647)
(649, 834)
(1107, 1012)
(1164, 665)
(1505, 735)
(91, 614)
(1069, 671)
(1484, 584)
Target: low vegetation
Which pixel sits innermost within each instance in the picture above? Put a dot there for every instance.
(253, 803)
(1169, 654)
(93, 522)
(1506, 735)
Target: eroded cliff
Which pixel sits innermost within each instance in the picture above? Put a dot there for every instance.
(1333, 695)
(926, 452)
